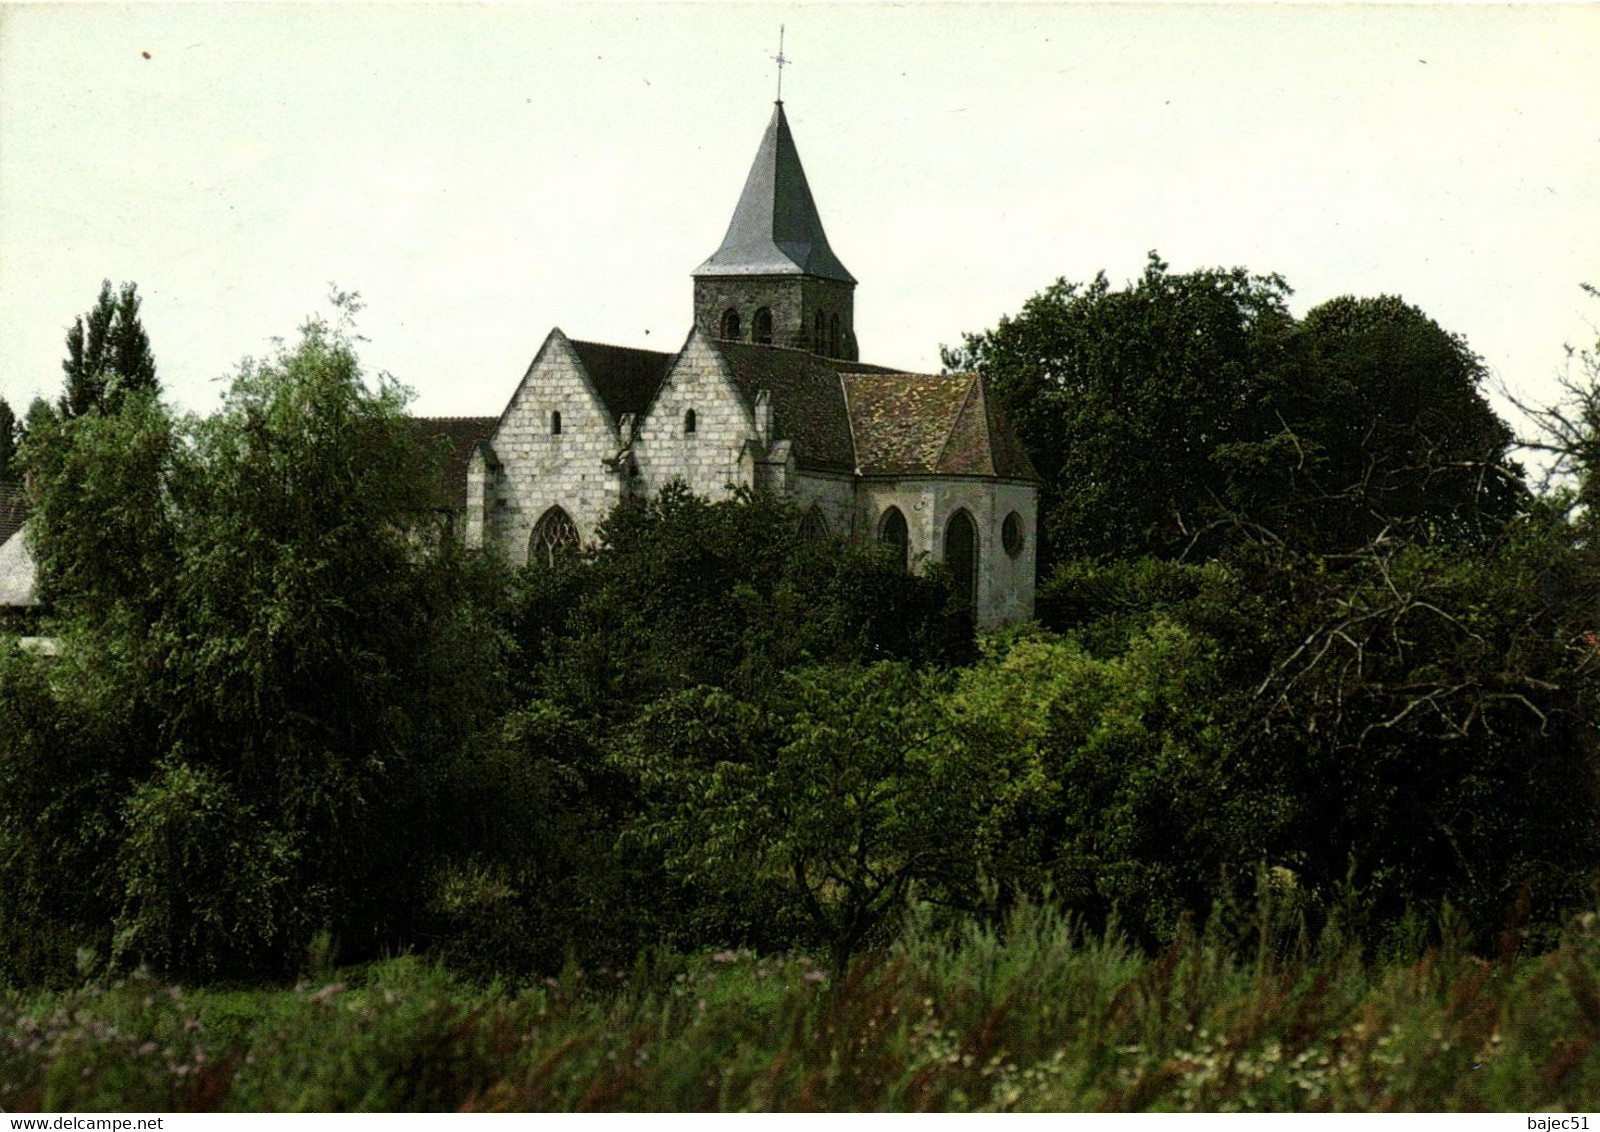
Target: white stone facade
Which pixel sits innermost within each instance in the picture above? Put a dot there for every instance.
(525, 467)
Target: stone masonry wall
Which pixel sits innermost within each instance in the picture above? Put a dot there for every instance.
(538, 469)
(835, 497)
(707, 460)
(793, 300)
(1005, 583)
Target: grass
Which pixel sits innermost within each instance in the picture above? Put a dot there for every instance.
(1037, 1016)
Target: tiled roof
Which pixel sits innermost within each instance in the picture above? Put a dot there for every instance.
(931, 424)
(901, 422)
(625, 378)
(808, 406)
(453, 439)
(852, 417)
(775, 228)
(13, 508)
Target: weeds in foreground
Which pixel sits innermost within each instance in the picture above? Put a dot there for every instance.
(1037, 1015)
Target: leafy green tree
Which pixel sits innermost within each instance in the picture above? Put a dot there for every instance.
(1124, 794)
(1429, 721)
(833, 797)
(108, 354)
(102, 524)
(1176, 414)
(273, 670)
(8, 439)
(683, 591)
(1403, 432)
(1122, 397)
(1403, 727)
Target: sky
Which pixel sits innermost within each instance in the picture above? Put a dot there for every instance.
(483, 173)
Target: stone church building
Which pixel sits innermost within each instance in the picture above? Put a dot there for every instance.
(767, 392)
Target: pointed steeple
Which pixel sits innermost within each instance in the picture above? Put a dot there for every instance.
(775, 228)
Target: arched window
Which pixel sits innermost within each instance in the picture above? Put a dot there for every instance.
(819, 333)
(1011, 536)
(814, 526)
(730, 324)
(689, 422)
(761, 327)
(554, 535)
(555, 422)
(961, 555)
(893, 534)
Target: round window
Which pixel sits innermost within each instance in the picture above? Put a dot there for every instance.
(1011, 534)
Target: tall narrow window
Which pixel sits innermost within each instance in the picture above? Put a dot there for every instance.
(814, 526)
(961, 555)
(555, 423)
(833, 335)
(554, 535)
(689, 422)
(819, 333)
(892, 533)
(730, 324)
(761, 327)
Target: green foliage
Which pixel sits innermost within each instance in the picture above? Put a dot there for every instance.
(1413, 725)
(1034, 1014)
(69, 752)
(683, 591)
(825, 802)
(204, 879)
(110, 359)
(102, 526)
(1431, 717)
(272, 665)
(9, 435)
(1179, 413)
(1127, 799)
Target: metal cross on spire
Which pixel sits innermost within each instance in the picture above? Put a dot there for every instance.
(782, 60)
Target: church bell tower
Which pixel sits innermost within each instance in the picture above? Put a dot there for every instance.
(775, 280)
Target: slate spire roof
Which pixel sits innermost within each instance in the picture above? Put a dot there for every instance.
(775, 228)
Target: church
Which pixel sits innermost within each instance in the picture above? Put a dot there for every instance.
(766, 394)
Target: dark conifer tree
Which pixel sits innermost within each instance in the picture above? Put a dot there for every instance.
(108, 354)
(133, 369)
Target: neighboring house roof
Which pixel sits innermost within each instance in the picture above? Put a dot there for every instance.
(775, 228)
(625, 378)
(17, 573)
(452, 440)
(13, 508)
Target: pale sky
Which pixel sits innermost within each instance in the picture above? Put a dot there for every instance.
(483, 173)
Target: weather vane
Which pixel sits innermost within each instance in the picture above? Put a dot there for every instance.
(781, 59)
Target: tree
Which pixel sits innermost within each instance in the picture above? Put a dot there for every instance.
(101, 529)
(272, 665)
(108, 355)
(326, 654)
(8, 439)
(1122, 398)
(822, 803)
(684, 591)
(1567, 434)
(1181, 412)
(1404, 432)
